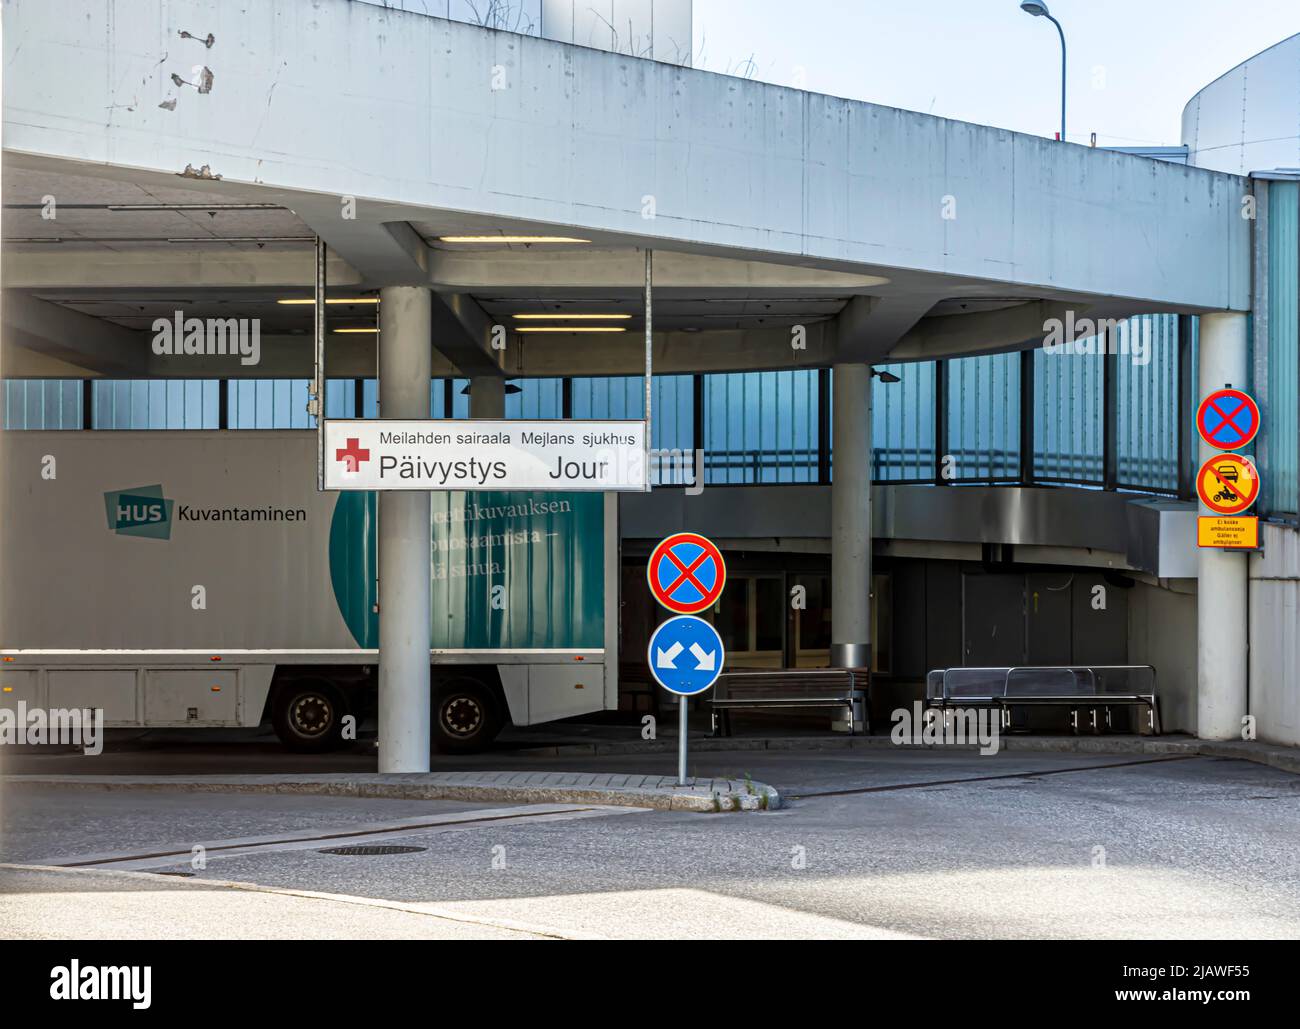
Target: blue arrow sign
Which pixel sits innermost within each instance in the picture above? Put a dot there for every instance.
(686, 655)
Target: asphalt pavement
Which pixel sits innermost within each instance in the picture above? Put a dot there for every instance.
(887, 843)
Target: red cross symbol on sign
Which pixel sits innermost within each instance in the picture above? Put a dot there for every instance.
(352, 455)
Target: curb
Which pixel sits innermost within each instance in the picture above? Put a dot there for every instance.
(711, 795)
(1285, 759)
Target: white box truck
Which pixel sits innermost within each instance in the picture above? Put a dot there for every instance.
(190, 578)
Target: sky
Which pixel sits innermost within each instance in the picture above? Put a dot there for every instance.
(1132, 64)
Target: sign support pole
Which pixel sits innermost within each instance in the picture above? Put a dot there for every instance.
(316, 405)
(681, 743)
(649, 359)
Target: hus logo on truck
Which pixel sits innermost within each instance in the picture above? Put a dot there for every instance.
(139, 511)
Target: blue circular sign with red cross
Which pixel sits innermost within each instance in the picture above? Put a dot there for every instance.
(1227, 419)
(686, 573)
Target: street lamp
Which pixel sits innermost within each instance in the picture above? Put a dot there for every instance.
(1039, 10)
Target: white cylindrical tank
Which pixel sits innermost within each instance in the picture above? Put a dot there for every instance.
(657, 29)
(1245, 120)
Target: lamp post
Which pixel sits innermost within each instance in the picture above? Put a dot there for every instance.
(1039, 10)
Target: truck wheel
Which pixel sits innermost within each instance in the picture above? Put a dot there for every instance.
(466, 718)
(308, 716)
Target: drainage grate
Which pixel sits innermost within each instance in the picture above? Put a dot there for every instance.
(179, 875)
(374, 850)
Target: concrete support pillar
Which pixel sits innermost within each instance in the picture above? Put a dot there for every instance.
(487, 397)
(851, 518)
(405, 367)
(1222, 587)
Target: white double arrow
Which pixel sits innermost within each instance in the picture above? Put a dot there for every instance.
(705, 660)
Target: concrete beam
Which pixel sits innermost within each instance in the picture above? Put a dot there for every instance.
(463, 334)
(616, 149)
(384, 253)
(91, 345)
(870, 327)
(983, 332)
(604, 268)
(675, 353)
(168, 266)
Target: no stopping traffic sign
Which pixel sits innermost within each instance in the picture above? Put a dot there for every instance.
(1227, 419)
(686, 573)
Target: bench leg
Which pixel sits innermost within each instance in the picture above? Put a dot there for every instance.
(1074, 720)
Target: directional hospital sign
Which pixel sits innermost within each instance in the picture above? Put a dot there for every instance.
(489, 455)
(686, 655)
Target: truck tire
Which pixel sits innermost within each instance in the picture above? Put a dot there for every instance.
(466, 716)
(308, 715)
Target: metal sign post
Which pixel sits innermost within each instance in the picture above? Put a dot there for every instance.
(686, 574)
(316, 404)
(649, 360)
(681, 742)
(686, 657)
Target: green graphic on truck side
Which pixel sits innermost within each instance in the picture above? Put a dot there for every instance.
(508, 570)
(354, 566)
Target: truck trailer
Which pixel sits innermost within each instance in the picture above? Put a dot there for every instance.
(199, 579)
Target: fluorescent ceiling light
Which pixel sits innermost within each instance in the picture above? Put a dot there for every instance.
(331, 300)
(511, 239)
(573, 317)
(191, 207)
(570, 328)
(217, 239)
(355, 331)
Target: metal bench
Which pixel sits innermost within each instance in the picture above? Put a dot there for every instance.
(841, 688)
(1089, 688)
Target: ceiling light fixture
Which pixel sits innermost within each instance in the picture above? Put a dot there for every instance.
(192, 207)
(573, 317)
(570, 328)
(225, 239)
(330, 300)
(511, 239)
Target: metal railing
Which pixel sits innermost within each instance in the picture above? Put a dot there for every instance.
(1090, 687)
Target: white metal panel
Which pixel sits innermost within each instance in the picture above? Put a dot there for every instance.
(557, 20)
(254, 686)
(1275, 636)
(20, 685)
(1245, 120)
(674, 31)
(514, 683)
(562, 691)
(114, 690)
(191, 697)
(87, 587)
